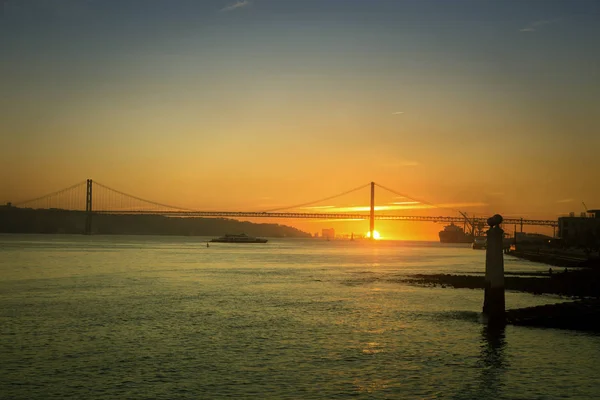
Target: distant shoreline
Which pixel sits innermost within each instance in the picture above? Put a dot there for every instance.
(31, 221)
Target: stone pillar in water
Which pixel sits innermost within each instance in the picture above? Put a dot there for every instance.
(493, 302)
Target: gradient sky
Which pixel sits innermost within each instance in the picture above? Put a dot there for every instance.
(493, 105)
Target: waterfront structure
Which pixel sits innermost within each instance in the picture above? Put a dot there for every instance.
(328, 233)
(576, 231)
(493, 300)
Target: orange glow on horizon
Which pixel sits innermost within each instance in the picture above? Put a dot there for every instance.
(376, 235)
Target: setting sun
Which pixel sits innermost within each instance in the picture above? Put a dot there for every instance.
(376, 235)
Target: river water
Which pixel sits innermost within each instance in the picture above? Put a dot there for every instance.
(121, 317)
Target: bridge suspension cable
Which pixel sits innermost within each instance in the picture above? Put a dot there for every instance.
(419, 200)
(112, 201)
(320, 200)
(107, 201)
(470, 221)
(57, 199)
(411, 197)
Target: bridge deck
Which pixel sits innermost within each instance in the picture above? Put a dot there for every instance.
(252, 214)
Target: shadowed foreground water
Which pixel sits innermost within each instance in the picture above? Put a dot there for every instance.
(168, 318)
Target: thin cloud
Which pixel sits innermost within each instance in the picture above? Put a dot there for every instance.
(316, 207)
(398, 113)
(534, 26)
(336, 220)
(236, 5)
(418, 206)
(565, 201)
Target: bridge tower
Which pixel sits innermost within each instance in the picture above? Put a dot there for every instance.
(372, 216)
(88, 208)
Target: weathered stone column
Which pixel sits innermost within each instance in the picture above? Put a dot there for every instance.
(493, 302)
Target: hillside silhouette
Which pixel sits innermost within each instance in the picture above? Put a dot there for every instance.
(26, 220)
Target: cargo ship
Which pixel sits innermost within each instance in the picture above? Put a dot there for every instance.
(455, 234)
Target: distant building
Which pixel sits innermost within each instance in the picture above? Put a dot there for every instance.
(328, 233)
(575, 231)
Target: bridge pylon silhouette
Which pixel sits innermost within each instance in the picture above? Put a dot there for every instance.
(88, 207)
(372, 213)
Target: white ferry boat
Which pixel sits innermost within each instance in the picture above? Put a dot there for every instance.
(242, 238)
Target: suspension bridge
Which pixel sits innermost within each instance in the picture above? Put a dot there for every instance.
(95, 198)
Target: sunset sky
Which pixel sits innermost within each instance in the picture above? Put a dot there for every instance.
(490, 106)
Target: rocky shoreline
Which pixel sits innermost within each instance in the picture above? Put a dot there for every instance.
(578, 284)
(582, 286)
(578, 315)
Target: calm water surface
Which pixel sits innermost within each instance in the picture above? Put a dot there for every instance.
(111, 317)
